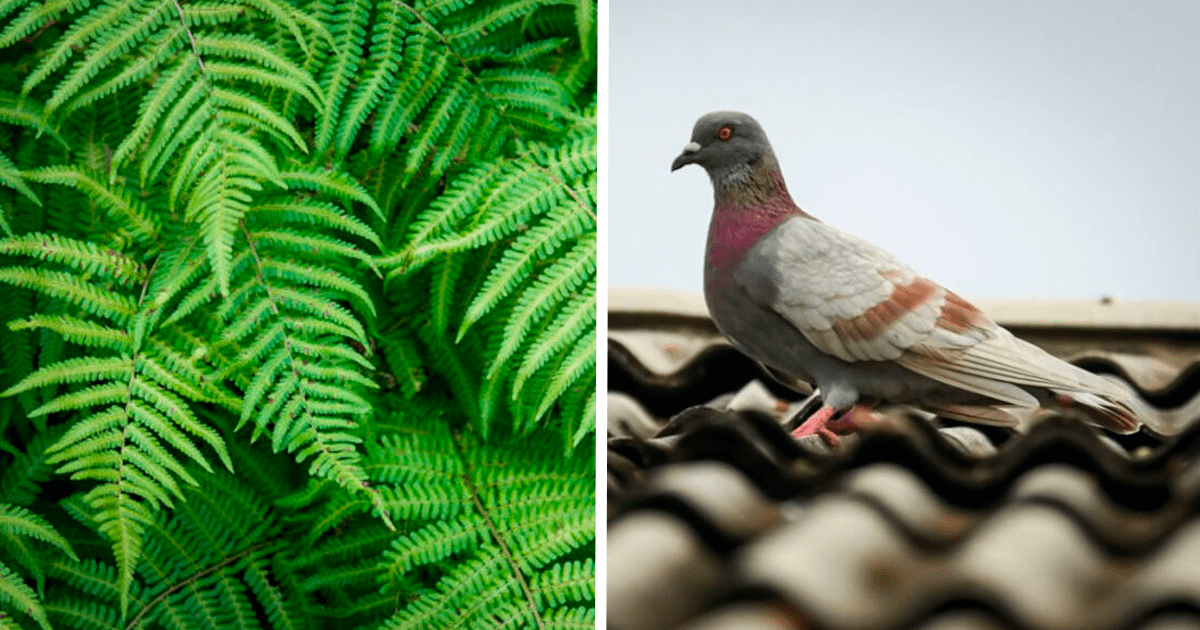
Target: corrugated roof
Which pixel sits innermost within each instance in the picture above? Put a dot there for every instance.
(719, 519)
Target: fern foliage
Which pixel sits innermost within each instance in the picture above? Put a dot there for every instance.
(297, 309)
(20, 530)
(497, 535)
(514, 224)
(500, 543)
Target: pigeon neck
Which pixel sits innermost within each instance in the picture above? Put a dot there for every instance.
(747, 208)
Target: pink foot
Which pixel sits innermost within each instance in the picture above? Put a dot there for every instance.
(816, 424)
(820, 423)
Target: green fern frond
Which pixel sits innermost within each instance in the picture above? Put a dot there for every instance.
(567, 582)
(291, 18)
(251, 213)
(467, 26)
(334, 184)
(568, 273)
(456, 100)
(256, 54)
(384, 55)
(165, 45)
(318, 214)
(447, 102)
(337, 511)
(10, 176)
(34, 17)
(463, 196)
(180, 265)
(496, 199)
(577, 368)
(18, 523)
(84, 614)
(300, 380)
(575, 320)
(418, 455)
(562, 223)
(75, 38)
(350, 545)
(119, 444)
(435, 542)
(219, 166)
(459, 372)
(403, 356)
(523, 55)
(349, 31)
(443, 291)
(587, 19)
(575, 618)
(92, 577)
(118, 202)
(214, 562)
(420, 77)
(69, 287)
(587, 415)
(220, 199)
(543, 202)
(424, 502)
(84, 256)
(491, 531)
(531, 90)
(127, 30)
(79, 370)
(15, 594)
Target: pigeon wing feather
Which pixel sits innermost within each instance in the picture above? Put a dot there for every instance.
(855, 301)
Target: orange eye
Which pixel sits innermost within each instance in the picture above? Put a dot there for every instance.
(725, 132)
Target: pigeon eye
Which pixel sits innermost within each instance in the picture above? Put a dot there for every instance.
(725, 132)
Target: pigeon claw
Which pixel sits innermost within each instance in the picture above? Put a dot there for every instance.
(822, 423)
(816, 424)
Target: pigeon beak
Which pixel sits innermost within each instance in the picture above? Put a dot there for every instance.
(687, 157)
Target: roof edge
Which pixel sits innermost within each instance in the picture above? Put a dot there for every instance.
(1100, 314)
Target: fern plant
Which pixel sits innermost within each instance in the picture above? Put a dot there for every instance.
(298, 313)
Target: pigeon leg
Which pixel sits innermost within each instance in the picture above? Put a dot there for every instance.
(857, 419)
(816, 424)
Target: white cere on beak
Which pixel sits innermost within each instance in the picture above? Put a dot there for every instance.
(691, 147)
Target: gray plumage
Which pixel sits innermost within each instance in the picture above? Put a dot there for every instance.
(814, 303)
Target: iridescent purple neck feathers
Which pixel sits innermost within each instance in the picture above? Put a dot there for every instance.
(749, 204)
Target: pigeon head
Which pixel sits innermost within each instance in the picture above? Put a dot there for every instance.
(729, 145)
(735, 152)
(751, 198)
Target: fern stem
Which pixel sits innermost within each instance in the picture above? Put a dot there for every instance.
(570, 191)
(274, 299)
(495, 531)
(124, 555)
(213, 569)
(191, 38)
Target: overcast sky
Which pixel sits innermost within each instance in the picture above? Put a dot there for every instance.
(1004, 149)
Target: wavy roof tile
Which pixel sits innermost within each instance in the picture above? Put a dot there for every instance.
(719, 519)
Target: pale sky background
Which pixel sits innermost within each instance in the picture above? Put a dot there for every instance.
(1004, 149)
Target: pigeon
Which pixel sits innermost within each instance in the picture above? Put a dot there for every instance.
(812, 303)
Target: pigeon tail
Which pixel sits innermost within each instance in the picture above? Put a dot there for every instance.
(1112, 409)
(992, 415)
